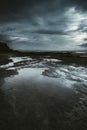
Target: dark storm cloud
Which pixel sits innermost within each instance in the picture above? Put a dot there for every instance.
(83, 26)
(20, 6)
(16, 10)
(84, 45)
(85, 39)
(35, 21)
(4, 38)
(50, 32)
(8, 29)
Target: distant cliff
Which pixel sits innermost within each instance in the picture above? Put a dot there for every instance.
(4, 48)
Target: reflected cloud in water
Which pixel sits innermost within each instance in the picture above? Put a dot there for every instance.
(41, 91)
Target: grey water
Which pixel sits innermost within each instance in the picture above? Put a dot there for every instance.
(43, 94)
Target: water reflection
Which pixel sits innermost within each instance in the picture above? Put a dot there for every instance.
(7, 116)
(44, 94)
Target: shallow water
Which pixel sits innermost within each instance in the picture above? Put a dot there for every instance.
(45, 94)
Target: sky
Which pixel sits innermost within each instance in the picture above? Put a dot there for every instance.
(42, 25)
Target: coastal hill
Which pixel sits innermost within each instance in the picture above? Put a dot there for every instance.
(5, 52)
(4, 48)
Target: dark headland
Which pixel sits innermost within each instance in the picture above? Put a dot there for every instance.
(67, 57)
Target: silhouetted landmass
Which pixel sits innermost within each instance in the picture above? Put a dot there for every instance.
(4, 48)
(4, 53)
(67, 57)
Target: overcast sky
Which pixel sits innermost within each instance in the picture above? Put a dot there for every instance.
(44, 24)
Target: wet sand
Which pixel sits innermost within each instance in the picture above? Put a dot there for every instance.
(42, 92)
